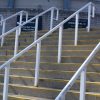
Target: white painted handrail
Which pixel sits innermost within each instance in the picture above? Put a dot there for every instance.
(14, 15)
(37, 42)
(3, 21)
(18, 28)
(81, 72)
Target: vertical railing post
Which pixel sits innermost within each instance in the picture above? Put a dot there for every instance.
(83, 84)
(60, 43)
(51, 20)
(76, 29)
(6, 82)
(26, 16)
(93, 11)
(89, 18)
(3, 31)
(21, 18)
(38, 51)
(57, 14)
(16, 41)
(36, 28)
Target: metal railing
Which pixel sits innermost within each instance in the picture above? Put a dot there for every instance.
(3, 21)
(82, 73)
(37, 43)
(18, 28)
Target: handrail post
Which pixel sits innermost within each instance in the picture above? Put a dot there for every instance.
(83, 84)
(38, 51)
(21, 18)
(89, 18)
(36, 28)
(93, 11)
(26, 16)
(76, 29)
(6, 82)
(60, 43)
(3, 31)
(57, 16)
(16, 41)
(51, 20)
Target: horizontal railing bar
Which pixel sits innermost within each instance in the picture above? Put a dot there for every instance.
(13, 15)
(76, 75)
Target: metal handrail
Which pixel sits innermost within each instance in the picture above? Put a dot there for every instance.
(14, 15)
(80, 72)
(37, 42)
(3, 22)
(18, 28)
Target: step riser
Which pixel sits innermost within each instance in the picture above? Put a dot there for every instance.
(55, 47)
(52, 53)
(70, 96)
(16, 97)
(55, 66)
(65, 37)
(59, 67)
(46, 59)
(52, 59)
(56, 33)
(56, 43)
(51, 84)
(54, 75)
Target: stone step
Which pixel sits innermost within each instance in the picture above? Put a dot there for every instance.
(51, 83)
(55, 42)
(22, 97)
(54, 74)
(55, 66)
(53, 47)
(51, 52)
(52, 37)
(64, 59)
(47, 92)
(66, 32)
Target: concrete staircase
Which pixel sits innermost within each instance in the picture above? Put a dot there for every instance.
(53, 76)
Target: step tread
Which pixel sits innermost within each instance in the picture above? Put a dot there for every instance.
(56, 71)
(24, 97)
(52, 50)
(52, 63)
(51, 89)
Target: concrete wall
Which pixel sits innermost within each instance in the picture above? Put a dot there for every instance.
(39, 3)
(75, 5)
(45, 4)
(3, 3)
